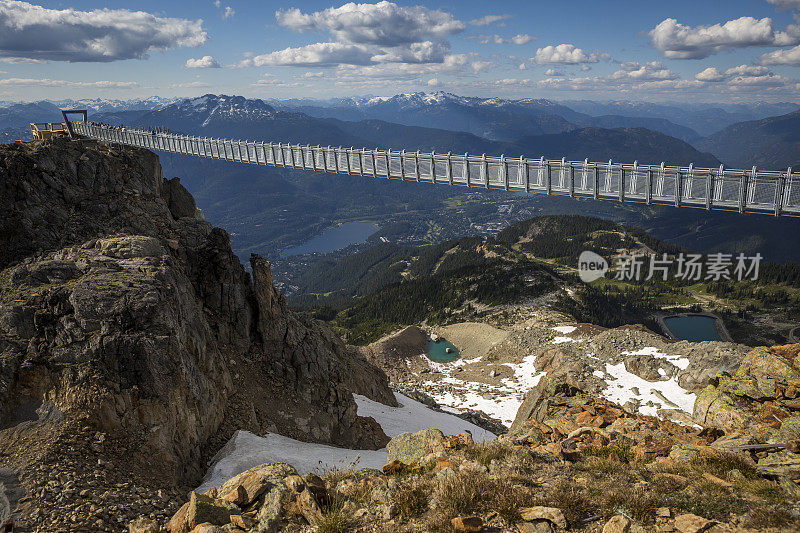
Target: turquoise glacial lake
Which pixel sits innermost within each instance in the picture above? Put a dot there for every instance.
(437, 351)
(335, 238)
(695, 328)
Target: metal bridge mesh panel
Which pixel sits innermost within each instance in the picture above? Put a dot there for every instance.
(752, 190)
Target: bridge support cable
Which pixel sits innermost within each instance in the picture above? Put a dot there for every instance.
(745, 191)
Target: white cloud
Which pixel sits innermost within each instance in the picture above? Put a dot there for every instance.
(713, 74)
(425, 52)
(203, 62)
(228, 13)
(452, 64)
(190, 85)
(46, 82)
(318, 54)
(554, 72)
(678, 41)
(785, 4)
(566, 54)
(365, 34)
(309, 75)
(270, 82)
(381, 24)
(488, 20)
(520, 38)
(482, 66)
(433, 82)
(650, 71)
(101, 35)
(789, 56)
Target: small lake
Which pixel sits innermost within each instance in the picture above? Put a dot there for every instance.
(335, 238)
(695, 328)
(437, 351)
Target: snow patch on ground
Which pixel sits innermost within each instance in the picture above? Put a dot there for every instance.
(675, 360)
(562, 340)
(564, 329)
(651, 394)
(245, 450)
(413, 416)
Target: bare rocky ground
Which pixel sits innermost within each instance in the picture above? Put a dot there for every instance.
(506, 355)
(572, 461)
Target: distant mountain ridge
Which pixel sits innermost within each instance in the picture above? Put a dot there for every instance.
(493, 118)
(771, 143)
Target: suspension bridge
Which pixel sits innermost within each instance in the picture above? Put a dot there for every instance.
(745, 191)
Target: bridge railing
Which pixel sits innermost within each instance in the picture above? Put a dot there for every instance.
(776, 192)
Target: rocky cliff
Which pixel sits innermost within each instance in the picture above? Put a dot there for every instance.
(129, 329)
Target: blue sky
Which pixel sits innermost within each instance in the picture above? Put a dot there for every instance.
(736, 50)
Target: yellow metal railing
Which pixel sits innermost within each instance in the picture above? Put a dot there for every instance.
(46, 130)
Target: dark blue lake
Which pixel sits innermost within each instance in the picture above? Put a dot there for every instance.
(335, 238)
(437, 351)
(693, 328)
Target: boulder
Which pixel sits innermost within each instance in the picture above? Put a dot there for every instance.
(690, 523)
(204, 509)
(244, 488)
(411, 447)
(467, 524)
(617, 524)
(551, 514)
(269, 515)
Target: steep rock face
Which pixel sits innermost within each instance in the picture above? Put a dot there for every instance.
(761, 398)
(122, 309)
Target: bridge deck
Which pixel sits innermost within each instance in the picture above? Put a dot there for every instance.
(745, 191)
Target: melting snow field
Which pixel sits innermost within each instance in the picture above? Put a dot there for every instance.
(652, 395)
(502, 402)
(246, 450)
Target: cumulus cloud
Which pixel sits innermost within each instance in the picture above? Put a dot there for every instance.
(425, 52)
(488, 20)
(555, 72)
(566, 54)
(310, 75)
(318, 54)
(433, 82)
(47, 82)
(520, 38)
(741, 75)
(650, 71)
(678, 41)
(203, 62)
(789, 56)
(228, 13)
(711, 74)
(101, 35)
(381, 24)
(365, 34)
(482, 66)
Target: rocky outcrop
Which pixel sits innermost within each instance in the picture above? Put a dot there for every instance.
(761, 398)
(124, 313)
(393, 352)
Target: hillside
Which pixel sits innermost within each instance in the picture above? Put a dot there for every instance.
(372, 292)
(770, 143)
(135, 344)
